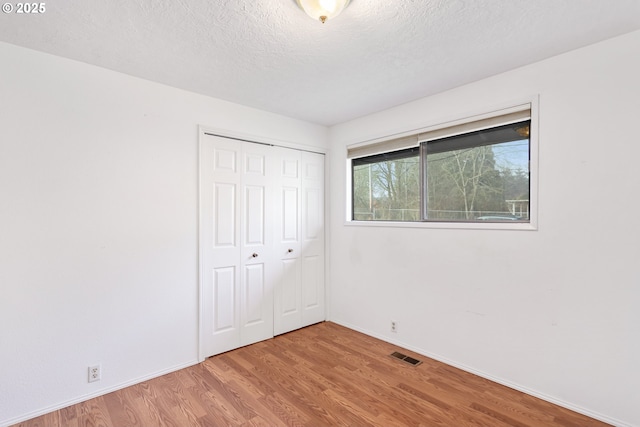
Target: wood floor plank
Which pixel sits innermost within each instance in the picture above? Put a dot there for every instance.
(323, 375)
(215, 399)
(94, 413)
(122, 410)
(398, 404)
(290, 388)
(51, 419)
(285, 410)
(248, 379)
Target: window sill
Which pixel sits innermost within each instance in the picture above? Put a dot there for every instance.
(522, 226)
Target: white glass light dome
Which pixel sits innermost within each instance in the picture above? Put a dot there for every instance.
(322, 10)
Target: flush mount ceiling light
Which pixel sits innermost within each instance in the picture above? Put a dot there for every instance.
(322, 9)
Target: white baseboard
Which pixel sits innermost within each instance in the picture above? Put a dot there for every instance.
(547, 398)
(98, 393)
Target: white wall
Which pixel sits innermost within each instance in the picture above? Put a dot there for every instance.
(554, 311)
(98, 216)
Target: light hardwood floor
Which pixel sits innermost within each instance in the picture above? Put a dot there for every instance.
(323, 375)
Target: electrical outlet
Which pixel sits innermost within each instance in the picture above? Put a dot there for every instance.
(95, 373)
(394, 326)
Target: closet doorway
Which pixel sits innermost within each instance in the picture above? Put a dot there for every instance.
(261, 241)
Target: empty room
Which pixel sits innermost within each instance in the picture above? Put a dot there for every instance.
(319, 212)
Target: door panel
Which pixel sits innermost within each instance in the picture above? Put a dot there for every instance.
(289, 292)
(288, 301)
(256, 304)
(289, 215)
(257, 315)
(313, 227)
(224, 286)
(224, 215)
(220, 182)
(237, 307)
(311, 283)
(225, 159)
(255, 216)
(290, 164)
(255, 164)
(254, 294)
(312, 280)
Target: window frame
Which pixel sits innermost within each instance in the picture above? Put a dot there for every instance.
(378, 144)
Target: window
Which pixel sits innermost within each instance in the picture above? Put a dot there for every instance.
(473, 172)
(387, 186)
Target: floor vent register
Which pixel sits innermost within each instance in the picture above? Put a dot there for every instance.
(410, 360)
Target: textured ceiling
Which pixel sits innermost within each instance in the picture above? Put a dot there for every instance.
(269, 55)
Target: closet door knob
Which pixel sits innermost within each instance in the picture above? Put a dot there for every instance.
(254, 255)
(290, 250)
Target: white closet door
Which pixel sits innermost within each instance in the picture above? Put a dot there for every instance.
(312, 280)
(256, 255)
(237, 281)
(261, 242)
(220, 192)
(287, 245)
(299, 241)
